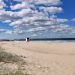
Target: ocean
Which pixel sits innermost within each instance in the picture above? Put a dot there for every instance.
(54, 39)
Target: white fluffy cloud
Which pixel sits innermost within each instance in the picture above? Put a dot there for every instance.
(53, 9)
(50, 2)
(46, 2)
(7, 21)
(1, 4)
(36, 29)
(20, 6)
(32, 18)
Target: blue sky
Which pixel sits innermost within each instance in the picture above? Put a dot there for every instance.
(68, 6)
(35, 18)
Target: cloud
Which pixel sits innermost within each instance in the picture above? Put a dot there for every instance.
(36, 29)
(61, 28)
(7, 21)
(34, 35)
(46, 2)
(52, 9)
(30, 17)
(73, 19)
(61, 20)
(9, 32)
(2, 30)
(1, 4)
(20, 6)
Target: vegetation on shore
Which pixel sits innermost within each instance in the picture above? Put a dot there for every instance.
(8, 58)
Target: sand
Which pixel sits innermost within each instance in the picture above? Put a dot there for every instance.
(45, 58)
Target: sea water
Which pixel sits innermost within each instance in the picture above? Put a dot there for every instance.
(54, 40)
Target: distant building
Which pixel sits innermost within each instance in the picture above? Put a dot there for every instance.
(27, 39)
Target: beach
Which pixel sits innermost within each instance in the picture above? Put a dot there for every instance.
(44, 58)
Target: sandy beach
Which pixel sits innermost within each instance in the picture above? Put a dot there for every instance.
(44, 58)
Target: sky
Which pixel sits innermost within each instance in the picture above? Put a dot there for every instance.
(37, 19)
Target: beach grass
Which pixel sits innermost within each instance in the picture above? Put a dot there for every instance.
(8, 58)
(16, 73)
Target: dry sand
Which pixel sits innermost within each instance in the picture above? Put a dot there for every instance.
(44, 58)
